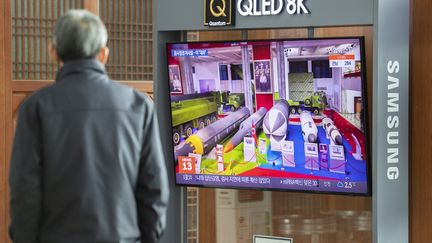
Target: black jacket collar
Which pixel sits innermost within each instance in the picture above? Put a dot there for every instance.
(80, 66)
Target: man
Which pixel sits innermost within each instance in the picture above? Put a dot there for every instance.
(87, 165)
(176, 84)
(263, 81)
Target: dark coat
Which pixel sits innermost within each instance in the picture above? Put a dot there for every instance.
(87, 164)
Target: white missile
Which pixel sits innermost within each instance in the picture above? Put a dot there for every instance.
(334, 134)
(331, 130)
(326, 122)
(275, 123)
(245, 127)
(207, 138)
(309, 129)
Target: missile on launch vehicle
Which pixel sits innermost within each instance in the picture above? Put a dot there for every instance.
(276, 121)
(245, 127)
(207, 138)
(331, 130)
(309, 129)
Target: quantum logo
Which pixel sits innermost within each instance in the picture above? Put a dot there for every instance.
(221, 9)
(218, 13)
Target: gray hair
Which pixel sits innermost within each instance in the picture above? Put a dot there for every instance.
(79, 34)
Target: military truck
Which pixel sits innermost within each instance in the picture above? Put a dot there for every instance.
(193, 111)
(232, 101)
(314, 103)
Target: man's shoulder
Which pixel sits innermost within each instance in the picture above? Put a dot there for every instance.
(141, 96)
(34, 97)
(123, 94)
(141, 102)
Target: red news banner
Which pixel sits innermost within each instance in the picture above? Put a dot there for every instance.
(186, 165)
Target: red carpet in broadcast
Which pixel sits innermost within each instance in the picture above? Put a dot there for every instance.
(346, 128)
(281, 174)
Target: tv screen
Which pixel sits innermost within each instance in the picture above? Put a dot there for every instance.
(270, 114)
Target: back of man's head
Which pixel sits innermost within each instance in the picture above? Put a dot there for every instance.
(79, 34)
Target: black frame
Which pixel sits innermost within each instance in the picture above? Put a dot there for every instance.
(364, 120)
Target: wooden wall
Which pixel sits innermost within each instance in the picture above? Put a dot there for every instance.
(5, 114)
(421, 118)
(129, 24)
(3, 184)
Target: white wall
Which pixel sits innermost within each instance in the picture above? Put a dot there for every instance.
(237, 86)
(286, 63)
(309, 62)
(348, 100)
(336, 100)
(225, 85)
(275, 73)
(356, 52)
(324, 84)
(330, 86)
(208, 70)
(351, 84)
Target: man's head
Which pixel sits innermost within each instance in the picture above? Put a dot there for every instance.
(79, 34)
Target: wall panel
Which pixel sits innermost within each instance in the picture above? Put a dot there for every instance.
(129, 24)
(421, 118)
(219, 35)
(32, 27)
(8, 105)
(3, 93)
(277, 33)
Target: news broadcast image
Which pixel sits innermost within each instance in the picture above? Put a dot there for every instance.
(276, 114)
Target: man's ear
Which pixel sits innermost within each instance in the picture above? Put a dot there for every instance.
(53, 54)
(103, 55)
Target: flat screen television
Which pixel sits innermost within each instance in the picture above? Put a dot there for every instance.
(271, 114)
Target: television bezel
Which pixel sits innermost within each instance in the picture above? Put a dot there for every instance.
(365, 118)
